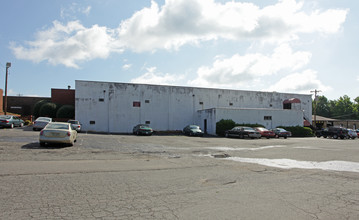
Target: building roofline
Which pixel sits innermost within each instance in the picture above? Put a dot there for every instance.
(174, 86)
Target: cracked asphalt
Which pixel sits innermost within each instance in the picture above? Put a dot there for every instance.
(173, 177)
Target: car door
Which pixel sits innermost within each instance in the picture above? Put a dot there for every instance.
(16, 121)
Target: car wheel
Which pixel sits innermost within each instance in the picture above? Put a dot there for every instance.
(226, 134)
(324, 136)
(335, 136)
(285, 137)
(42, 144)
(12, 126)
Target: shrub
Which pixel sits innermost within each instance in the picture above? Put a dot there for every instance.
(66, 111)
(48, 110)
(251, 125)
(37, 107)
(299, 131)
(223, 125)
(27, 122)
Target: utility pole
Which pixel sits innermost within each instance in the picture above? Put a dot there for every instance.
(315, 106)
(8, 65)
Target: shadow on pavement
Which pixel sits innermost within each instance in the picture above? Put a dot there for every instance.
(36, 145)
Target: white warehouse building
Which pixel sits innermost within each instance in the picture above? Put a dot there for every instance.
(117, 107)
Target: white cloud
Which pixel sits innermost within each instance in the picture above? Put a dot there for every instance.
(300, 83)
(68, 44)
(154, 77)
(176, 23)
(72, 11)
(181, 22)
(240, 70)
(126, 66)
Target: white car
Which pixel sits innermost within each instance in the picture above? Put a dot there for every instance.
(59, 133)
(75, 124)
(40, 123)
(352, 134)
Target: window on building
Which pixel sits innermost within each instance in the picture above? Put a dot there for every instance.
(267, 117)
(92, 122)
(201, 103)
(230, 103)
(148, 122)
(287, 106)
(137, 104)
(101, 100)
(147, 101)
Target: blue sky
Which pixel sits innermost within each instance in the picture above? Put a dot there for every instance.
(285, 46)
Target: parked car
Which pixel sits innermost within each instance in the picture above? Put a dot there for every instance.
(40, 123)
(193, 130)
(142, 129)
(352, 133)
(281, 132)
(333, 132)
(58, 133)
(265, 132)
(242, 132)
(75, 124)
(10, 121)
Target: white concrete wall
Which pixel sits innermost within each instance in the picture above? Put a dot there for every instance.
(110, 105)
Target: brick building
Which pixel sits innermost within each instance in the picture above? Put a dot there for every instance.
(63, 96)
(24, 105)
(1, 102)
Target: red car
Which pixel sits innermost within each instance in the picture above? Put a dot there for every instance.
(265, 132)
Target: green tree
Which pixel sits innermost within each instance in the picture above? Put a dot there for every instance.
(48, 110)
(343, 108)
(66, 111)
(356, 107)
(323, 107)
(37, 106)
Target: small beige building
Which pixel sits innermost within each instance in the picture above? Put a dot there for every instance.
(323, 122)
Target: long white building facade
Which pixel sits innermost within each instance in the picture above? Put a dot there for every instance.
(112, 107)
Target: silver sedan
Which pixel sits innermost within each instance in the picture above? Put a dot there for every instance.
(40, 123)
(59, 133)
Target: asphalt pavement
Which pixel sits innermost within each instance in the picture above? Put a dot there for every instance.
(108, 176)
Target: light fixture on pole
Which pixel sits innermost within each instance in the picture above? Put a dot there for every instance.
(8, 65)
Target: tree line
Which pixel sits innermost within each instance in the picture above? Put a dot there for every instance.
(342, 108)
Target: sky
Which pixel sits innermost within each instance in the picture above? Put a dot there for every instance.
(288, 46)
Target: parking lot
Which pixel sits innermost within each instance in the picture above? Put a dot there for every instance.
(106, 176)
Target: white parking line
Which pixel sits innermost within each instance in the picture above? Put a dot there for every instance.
(244, 148)
(290, 164)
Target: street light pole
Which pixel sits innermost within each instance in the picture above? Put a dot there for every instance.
(8, 65)
(315, 106)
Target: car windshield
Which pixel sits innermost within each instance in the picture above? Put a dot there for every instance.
(248, 129)
(281, 130)
(194, 127)
(43, 119)
(74, 122)
(262, 129)
(57, 126)
(144, 126)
